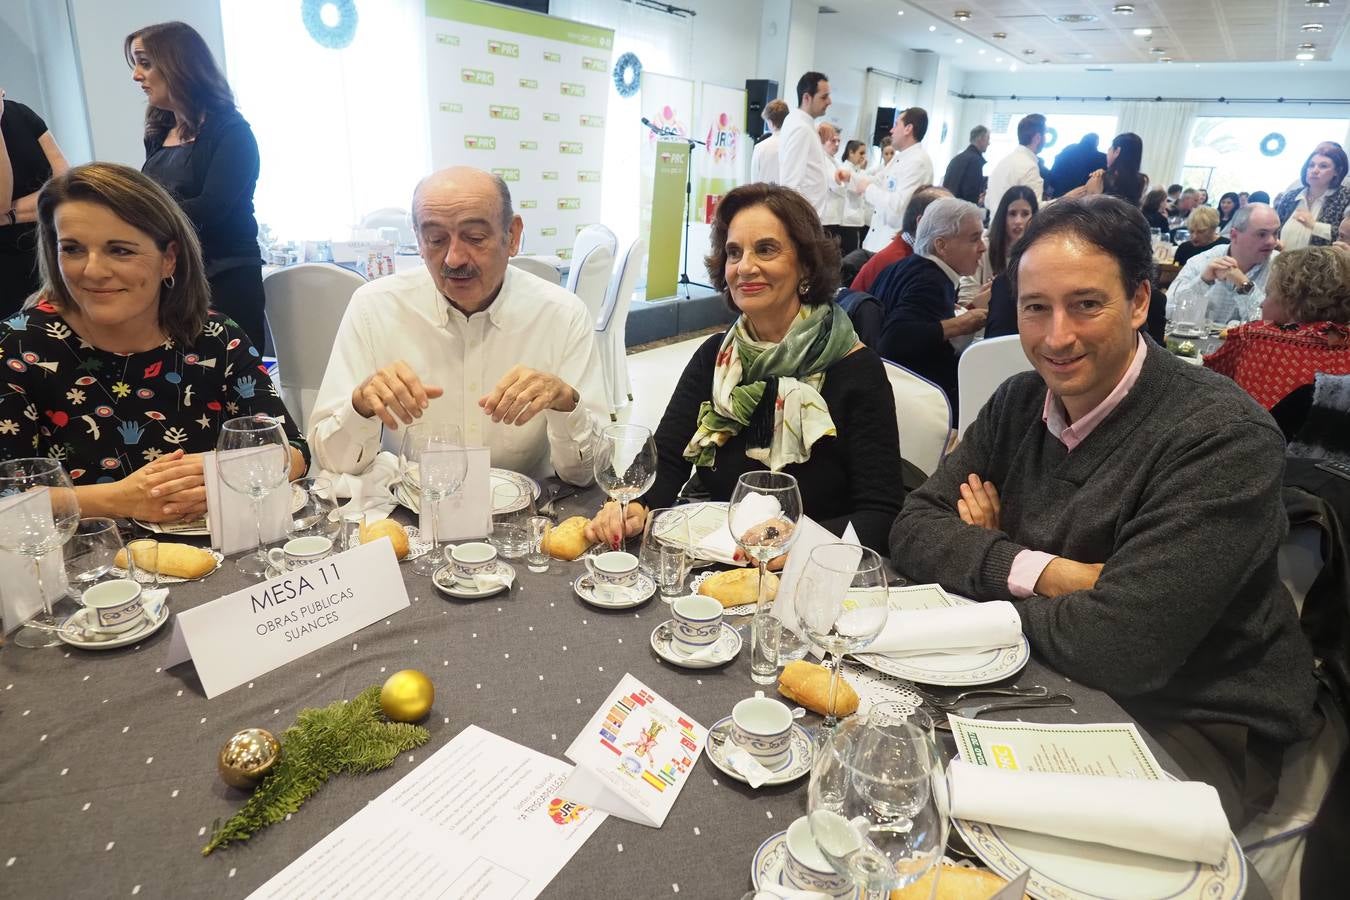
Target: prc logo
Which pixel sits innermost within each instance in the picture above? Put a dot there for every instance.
(507, 174)
(668, 158)
(502, 48)
(569, 147)
(550, 231)
(551, 117)
(564, 811)
(569, 203)
(529, 204)
(504, 112)
(549, 176)
(587, 176)
(529, 145)
(591, 64)
(450, 40)
(550, 56)
(572, 90)
(593, 121)
(452, 107)
(529, 83)
(476, 76)
(479, 142)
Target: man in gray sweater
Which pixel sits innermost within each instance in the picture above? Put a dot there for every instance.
(1132, 511)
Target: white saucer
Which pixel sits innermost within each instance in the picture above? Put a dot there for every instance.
(800, 756)
(72, 629)
(728, 645)
(446, 583)
(584, 585)
(767, 866)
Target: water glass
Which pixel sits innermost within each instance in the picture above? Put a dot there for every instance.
(351, 530)
(664, 555)
(762, 516)
(91, 552)
(511, 525)
(143, 562)
(536, 557)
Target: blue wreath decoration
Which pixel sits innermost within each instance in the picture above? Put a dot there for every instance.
(1051, 138)
(337, 36)
(1272, 144)
(628, 75)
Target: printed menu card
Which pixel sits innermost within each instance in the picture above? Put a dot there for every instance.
(634, 755)
(482, 817)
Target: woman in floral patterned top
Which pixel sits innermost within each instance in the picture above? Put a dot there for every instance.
(120, 370)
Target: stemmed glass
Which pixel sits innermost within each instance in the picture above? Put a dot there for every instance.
(254, 460)
(35, 526)
(436, 462)
(878, 802)
(91, 552)
(763, 515)
(312, 504)
(624, 461)
(841, 605)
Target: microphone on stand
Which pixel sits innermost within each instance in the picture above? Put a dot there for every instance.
(655, 130)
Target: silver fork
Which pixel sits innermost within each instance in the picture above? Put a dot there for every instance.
(975, 710)
(934, 699)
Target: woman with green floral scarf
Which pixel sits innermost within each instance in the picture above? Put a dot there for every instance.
(788, 387)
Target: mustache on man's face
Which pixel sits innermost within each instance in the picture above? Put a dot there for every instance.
(465, 271)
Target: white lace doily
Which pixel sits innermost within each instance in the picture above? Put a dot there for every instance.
(118, 572)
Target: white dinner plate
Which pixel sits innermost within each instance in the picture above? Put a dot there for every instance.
(197, 527)
(507, 489)
(1065, 869)
(948, 669)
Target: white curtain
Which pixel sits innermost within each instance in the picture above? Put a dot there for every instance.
(973, 112)
(344, 132)
(1165, 128)
(881, 90)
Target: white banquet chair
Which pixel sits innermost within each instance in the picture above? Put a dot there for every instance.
(305, 305)
(391, 217)
(592, 265)
(981, 369)
(611, 330)
(536, 266)
(923, 415)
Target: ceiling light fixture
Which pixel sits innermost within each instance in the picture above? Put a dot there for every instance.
(1307, 46)
(1165, 59)
(1012, 68)
(1158, 50)
(932, 28)
(1123, 9)
(1311, 27)
(1319, 4)
(1000, 35)
(1075, 19)
(1143, 32)
(899, 12)
(1305, 55)
(960, 40)
(981, 51)
(961, 15)
(998, 59)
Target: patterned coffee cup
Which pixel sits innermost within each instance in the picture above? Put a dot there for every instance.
(696, 622)
(115, 606)
(614, 569)
(806, 868)
(763, 727)
(470, 559)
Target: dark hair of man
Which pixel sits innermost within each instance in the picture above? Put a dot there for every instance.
(817, 251)
(978, 132)
(1338, 161)
(1257, 197)
(998, 226)
(1113, 226)
(190, 73)
(1173, 189)
(1122, 176)
(1029, 127)
(809, 84)
(918, 202)
(916, 118)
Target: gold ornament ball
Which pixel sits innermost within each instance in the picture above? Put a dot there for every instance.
(247, 757)
(407, 696)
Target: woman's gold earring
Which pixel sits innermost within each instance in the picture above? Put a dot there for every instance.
(803, 286)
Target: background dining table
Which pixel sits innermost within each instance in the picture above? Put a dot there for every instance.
(108, 781)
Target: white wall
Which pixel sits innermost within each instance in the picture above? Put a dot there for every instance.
(66, 114)
(18, 59)
(845, 53)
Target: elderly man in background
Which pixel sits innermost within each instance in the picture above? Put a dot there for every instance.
(1022, 165)
(902, 244)
(889, 191)
(965, 173)
(468, 340)
(918, 294)
(1093, 492)
(764, 161)
(803, 164)
(1186, 204)
(1232, 276)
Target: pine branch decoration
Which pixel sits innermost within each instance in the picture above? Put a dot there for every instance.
(343, 737)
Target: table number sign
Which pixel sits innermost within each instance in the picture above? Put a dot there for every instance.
(251, 632)
(229, 514)
(634, 756)
(467, 513)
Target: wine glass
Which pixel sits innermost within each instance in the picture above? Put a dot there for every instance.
(38, 514)
(763, 514)
(841, 605)
(312, 504)
(664, 554)
(435, 458)
(624, 462)
(91, 552)
(878, 802)
(254, 460)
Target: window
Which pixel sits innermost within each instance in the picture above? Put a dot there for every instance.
(1253, 154)
(1062, 130)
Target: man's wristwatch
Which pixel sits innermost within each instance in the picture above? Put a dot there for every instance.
(1245, 288)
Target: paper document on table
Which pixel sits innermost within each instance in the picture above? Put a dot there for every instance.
(481, 817)
(1114, 749)
(634, 756)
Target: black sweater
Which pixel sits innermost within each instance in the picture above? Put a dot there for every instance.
(215, 186)
(916, 296)
(854, 476)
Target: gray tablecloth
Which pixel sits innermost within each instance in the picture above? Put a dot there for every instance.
(108, 783)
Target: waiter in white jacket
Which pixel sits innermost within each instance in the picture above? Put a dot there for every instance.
(890, 190)
(803, 164)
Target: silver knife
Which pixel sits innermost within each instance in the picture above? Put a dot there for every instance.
(1015, 889)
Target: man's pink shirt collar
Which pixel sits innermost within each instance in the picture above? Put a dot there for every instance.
(1071, 436)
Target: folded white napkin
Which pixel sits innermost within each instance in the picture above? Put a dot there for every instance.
(740, 759)
(720, 546)
(487, 581)
(983, 625)
(369, 489)
(1176, 819)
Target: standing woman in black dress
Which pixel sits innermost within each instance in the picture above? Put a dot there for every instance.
(28, 157)
(199, 148)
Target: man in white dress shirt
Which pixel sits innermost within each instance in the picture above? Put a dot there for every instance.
(1232, 276)
(764, 160)
(803, 164)
(1021, 166)
(467, 339)
(890, 190)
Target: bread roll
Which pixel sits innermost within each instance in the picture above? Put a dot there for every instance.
(390, 529)
(737, 587)
(809, 684)
(954, 883)
(567, 539)
(175, 560)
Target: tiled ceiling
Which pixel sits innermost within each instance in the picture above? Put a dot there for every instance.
(1194, 31)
